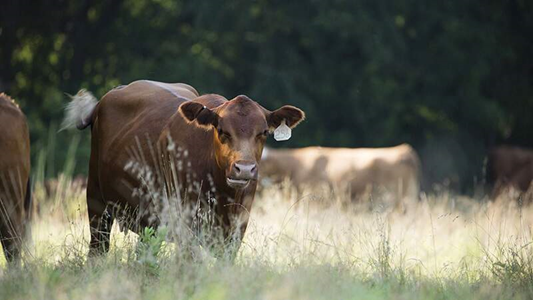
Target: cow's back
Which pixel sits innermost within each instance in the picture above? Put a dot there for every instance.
(126, 126)
(140, 109)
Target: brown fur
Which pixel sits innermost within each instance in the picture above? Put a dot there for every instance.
(15, 198)
(138, 119)
(510, 167)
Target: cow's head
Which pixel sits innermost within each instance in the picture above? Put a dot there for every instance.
(240, 128)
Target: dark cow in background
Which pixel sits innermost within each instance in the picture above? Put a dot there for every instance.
(221, 139)
(15, 192)
(396, 169)
(509, 167)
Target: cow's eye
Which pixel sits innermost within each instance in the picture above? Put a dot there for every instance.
(263, 134)
(224, 135)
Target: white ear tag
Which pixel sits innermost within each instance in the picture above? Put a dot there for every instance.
(283, 132)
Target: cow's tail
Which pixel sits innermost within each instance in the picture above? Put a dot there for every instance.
(79, 112)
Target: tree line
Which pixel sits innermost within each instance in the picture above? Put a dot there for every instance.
(451, 78)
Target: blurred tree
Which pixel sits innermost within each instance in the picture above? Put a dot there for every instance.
(451, 78)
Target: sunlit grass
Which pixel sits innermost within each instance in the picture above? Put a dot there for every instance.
(441, 247)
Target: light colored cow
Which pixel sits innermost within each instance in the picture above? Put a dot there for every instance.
(360, 170)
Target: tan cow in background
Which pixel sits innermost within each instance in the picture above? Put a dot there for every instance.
(360, 170)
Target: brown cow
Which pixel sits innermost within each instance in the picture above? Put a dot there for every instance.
(509, 167)
(15, 193)
(222, 140)
(395, 168)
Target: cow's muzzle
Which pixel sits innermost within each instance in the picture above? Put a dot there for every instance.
(241, 174)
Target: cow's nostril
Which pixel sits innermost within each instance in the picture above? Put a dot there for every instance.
(245, 169)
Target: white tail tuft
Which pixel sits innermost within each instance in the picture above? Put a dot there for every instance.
(78, 112)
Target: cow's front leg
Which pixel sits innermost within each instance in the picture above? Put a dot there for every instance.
(234, 240)
(233, 234)
(100, 226)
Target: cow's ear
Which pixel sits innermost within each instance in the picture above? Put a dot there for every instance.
(204, 116)
(292, 116)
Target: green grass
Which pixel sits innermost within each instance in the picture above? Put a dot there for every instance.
(443, 247)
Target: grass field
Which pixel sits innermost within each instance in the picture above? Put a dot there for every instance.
(442, 247)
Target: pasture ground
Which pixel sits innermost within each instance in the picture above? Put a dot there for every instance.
(442, 247)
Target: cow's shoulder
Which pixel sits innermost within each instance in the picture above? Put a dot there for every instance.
(510, 155)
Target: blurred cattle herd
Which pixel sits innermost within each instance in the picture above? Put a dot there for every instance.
(366, 171)
(359, 172)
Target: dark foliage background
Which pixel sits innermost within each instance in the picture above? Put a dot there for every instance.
(452, 78)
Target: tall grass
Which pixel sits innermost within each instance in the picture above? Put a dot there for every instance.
(324, 247)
